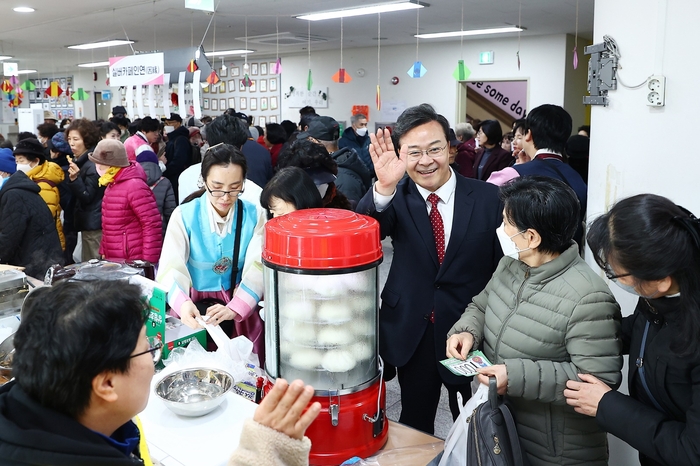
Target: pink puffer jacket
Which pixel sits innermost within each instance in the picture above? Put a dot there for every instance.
(131, 222)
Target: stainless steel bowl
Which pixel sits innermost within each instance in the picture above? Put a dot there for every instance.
(7, 350)
(194, 392)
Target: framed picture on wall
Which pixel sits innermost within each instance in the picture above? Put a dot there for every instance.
(243, 103)
(273, 119)
(223, 72)
(253, 85)
(273, 102)
(215, 104)
(232, 85)
(253, 103)
(205, 104)
(273, 84)
(231, 102)
(263, 85)
(263, 103)
(222, 104)
(254, 69)
(206, 89)
(263, 69)
(241, 86)
(222, 87)
(262, 121)
(272, 66)
(213, 89)
(235, 71)
(45, 83)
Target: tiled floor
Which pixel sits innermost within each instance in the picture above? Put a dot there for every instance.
(443, 418)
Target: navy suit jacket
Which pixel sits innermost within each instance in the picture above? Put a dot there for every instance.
(417, 283)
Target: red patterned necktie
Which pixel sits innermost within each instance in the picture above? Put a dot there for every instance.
(438, 227)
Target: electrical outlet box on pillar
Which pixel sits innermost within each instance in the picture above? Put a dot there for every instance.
(656, 96)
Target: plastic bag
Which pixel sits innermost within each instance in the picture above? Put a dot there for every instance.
(418, 454)
(456, 442)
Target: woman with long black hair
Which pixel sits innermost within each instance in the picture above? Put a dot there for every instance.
(650, 247)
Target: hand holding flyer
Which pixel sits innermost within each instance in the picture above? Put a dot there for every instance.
(470, 366)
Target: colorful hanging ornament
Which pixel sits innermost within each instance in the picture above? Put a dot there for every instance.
(309, 81)
(14, 80)
(192, 66)
(15, 102)
(28, 85)
(213, 78)
(461, 73)
(247, 82)
(379, 98)
(80, 94)
(341, 76)
(277, 67)
(54, 90)
(417, 70)
(576, 40)
(6, 86)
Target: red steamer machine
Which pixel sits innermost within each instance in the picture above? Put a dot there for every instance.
(321, 300)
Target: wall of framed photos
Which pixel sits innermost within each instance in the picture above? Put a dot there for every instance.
(62, 106)
(261, 99)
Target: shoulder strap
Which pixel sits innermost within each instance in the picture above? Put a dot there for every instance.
(156, 183)
(518, 455)
(43, 180)
(642, 375)
(236, 244)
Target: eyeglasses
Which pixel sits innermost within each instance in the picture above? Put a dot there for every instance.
(155, 347)
(433, 153)
(219, 193)
(610, 273)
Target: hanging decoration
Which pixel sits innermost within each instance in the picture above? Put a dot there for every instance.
(6, 86)
(223, 65)
(28, 85)
(54, 90)
(277, 67)
(520, 12)
(341, 76)
(378, 98)
(192, 67)
(14, 80)
(461, 73)
(213, 78)
(247, 82)
(80, 94)
(15, 101)
(417, 70)
(576, 40)
(309, 79)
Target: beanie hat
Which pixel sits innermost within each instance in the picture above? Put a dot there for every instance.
(110, 152)
(58, 144)
(7, 161)
(147, 156)
(30, 146)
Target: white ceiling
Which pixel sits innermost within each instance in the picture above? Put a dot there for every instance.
(38, 40)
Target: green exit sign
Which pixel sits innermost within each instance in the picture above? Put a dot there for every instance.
(206, 5)
(486, 58)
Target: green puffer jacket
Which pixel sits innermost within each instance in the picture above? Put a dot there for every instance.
(547, 324)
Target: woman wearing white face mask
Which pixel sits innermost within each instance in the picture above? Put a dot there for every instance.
(650, 247)
(544, 318)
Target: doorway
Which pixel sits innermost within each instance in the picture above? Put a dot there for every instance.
(501, 100)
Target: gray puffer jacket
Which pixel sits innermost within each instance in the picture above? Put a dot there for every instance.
(162, 190)
(547, 324)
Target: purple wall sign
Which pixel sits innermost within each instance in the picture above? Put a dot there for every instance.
(510, 96)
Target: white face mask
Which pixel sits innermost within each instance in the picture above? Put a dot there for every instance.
(508, 246)
(23, 167)
(361, 131)
(631, 289)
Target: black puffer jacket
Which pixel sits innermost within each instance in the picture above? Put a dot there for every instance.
(28, 236)
(178, 151)
(31, 434)
(354, 179)
(88, 195)
(162, 190)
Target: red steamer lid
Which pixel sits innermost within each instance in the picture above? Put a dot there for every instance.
(322, 239)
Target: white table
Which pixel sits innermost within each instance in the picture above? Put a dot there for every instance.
(193, 441)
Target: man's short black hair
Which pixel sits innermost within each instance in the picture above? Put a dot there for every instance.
(229, 130)
(416, 116)
(149, 124)
(550, 126)
(546, 205)
(308, 110)
(275, 133)
(72, 332)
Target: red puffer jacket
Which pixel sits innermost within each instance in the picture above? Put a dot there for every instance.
(131, 222)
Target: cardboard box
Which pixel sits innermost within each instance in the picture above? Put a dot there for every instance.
(179, 335)
(156, 296)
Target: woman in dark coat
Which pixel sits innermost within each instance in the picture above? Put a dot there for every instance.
(650, 247)
(490, 157)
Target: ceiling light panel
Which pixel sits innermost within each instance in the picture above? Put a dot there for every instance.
(473, 32)
(368, 10)
(99, 45)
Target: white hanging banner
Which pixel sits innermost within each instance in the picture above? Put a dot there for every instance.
(181, 92)
(196, 93)
(139, 100)
(129, 96)
(132, 70)
(152, 101)
(166, 95)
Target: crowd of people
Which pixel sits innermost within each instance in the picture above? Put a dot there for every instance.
(488, 232)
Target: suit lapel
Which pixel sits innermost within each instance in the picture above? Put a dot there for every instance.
(463, 206)
(419, 214)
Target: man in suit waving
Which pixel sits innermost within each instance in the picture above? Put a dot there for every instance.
(443, 229)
